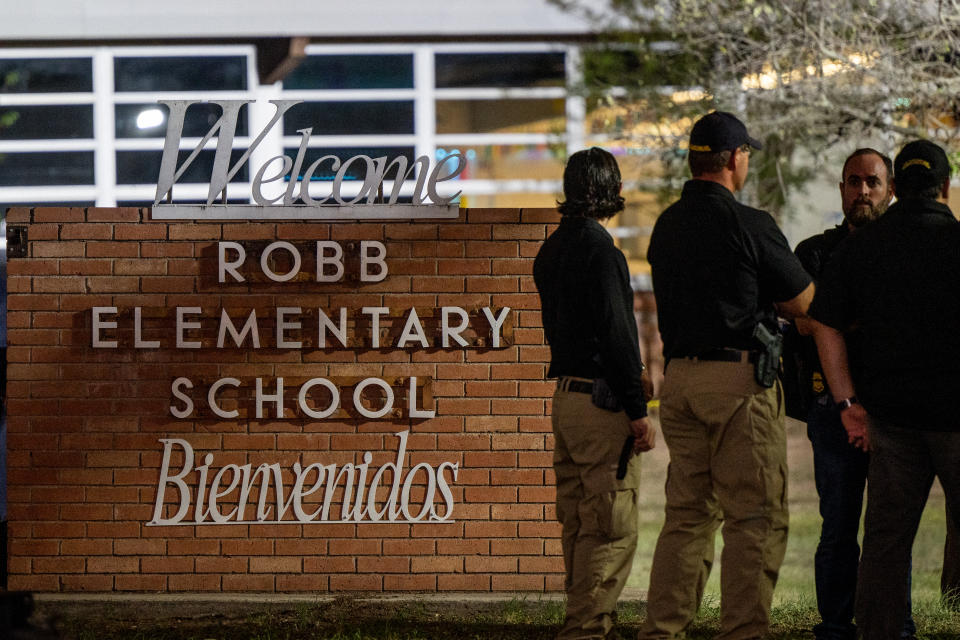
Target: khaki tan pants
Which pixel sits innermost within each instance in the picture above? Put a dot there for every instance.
(598, 512)
(727, 446)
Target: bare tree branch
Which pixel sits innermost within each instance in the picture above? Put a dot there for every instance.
(810, 73)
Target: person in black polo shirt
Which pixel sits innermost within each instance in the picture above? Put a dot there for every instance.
(897, 281)
(721, 271)
(587, 309)
(840, 469)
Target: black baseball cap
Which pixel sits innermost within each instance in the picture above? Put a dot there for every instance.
(921, 164)
(720, 131)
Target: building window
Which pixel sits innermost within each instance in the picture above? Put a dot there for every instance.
(143, 167)
(46, 168)
(85, 120)
(502, 116)
(46, 75)
(352, 71)
(149, 120)
(544, 69)
(510, 161)
(180, 73)
(350, 117)
(54, 122)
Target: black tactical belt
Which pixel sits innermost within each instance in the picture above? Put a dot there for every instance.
(725, 355)
(576, 386)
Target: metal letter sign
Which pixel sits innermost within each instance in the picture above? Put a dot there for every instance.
(358, 504)
(360, 206)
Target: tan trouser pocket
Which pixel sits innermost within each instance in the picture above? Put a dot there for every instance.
(612, 514)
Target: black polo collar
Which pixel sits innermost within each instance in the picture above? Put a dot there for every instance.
(697, 187)
(583, 221)
(919, 206)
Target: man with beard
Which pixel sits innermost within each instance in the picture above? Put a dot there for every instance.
(840, 469)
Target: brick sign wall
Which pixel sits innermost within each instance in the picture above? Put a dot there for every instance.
(143, 456)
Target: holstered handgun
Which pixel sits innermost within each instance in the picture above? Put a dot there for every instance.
(768, 359)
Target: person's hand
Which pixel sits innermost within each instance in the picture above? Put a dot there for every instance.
(855, 420)
(645, 435)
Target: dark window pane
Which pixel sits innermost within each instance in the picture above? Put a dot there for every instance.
(198, 120)
(353, 72)
(343, 118)
(38, 168)
(143, 167)
(501, 116)
(59, 122)
(46, 75)
(357, 170)
(180, 73)
(500, 70)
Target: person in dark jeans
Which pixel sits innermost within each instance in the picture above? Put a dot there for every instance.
(840, 469)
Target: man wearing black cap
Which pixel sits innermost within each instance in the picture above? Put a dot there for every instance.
(896, 281)
(721, 272)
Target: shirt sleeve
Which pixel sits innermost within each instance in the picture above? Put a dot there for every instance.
(780, 272)
(616, 327)
(809, 256)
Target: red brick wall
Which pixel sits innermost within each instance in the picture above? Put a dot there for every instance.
(85, 423)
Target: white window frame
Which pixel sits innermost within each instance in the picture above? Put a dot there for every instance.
(424, 139)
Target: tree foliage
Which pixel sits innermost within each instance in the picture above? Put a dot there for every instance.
(804, 74)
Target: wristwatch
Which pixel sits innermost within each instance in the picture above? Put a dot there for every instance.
(846, 403)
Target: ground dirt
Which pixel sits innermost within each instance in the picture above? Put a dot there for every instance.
(329, 617)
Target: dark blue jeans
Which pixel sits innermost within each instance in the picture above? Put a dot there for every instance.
(840, 472)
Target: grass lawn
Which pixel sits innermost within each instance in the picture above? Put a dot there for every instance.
(535, 616)
(795, 598)
(796, 575)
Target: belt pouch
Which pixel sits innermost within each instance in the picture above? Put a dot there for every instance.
(603, 396)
